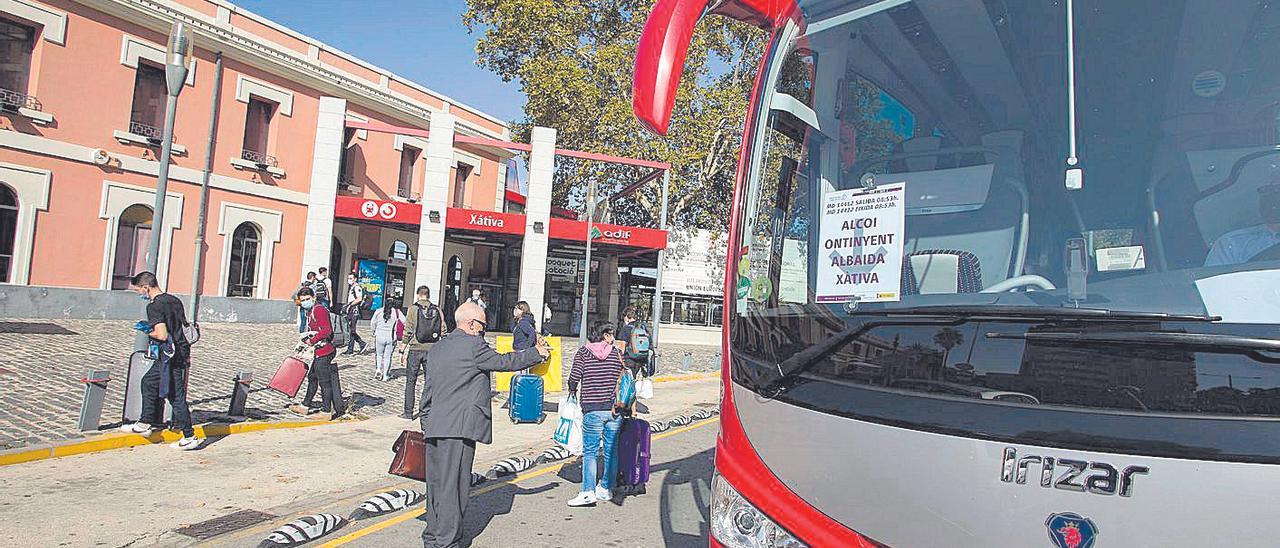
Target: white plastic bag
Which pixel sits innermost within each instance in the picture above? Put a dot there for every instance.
(644, 388)
(569, 431)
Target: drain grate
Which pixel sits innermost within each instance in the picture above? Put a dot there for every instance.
(221, 525)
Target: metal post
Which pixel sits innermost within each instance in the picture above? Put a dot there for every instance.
(240, 393)
(662, 265)
(175, 75)
(198, 267)
(95, 390)
(586, 277)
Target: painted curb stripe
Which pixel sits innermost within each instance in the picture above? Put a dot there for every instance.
(374, 528)
(119, 440)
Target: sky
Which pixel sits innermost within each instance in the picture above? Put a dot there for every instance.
(420, 40)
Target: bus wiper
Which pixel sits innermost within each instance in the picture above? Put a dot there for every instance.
(997, 313)
(1209, 342)
(948, 315)
(803, 360)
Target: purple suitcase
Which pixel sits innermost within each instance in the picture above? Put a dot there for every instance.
(633, 453)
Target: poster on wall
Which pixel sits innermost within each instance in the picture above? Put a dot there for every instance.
(861, 240)
(561, 269)
(372, 276)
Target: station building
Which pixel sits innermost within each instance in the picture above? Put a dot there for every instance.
(319, 159)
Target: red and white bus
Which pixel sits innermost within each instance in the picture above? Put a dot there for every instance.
(1003, 272)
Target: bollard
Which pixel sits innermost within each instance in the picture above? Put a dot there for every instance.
(95, 390)
(240, 393)
(687, 361)
(138, 366)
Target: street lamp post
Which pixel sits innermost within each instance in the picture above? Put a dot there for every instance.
(175, 75)
(586, 283)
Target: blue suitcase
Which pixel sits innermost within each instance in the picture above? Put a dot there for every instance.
(525, 399)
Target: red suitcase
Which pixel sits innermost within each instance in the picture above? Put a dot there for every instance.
(288, 378)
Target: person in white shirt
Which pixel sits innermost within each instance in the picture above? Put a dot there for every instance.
(351, 314)
(1242, 245)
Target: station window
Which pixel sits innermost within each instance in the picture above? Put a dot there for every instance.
(132, 235)
(8, 230)
(149, 94)
(399, 250)
(16, 44)
(242, 271)
(460, 184)
(257, 126)
(408, 159)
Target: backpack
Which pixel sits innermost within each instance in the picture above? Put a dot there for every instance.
(638, 346)
(399, 328)
(321, 290)
(427, 330)
(626, 393)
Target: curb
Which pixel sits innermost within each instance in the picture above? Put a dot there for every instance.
(120, 440)
(688, 377)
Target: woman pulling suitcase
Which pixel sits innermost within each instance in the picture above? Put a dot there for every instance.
(597, 367)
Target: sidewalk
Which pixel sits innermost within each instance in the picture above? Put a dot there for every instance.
(42, 361)
(139, 496)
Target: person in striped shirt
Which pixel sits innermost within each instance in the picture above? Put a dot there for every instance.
(594, 377)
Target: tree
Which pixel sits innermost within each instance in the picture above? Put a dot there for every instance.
(574, 60)
(947, 338)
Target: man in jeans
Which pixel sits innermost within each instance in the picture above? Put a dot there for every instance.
(426, 317)
(167, 377)
(351, 313)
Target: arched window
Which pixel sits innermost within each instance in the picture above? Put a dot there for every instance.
(8, 230)
(132, 234)
(399, 250)
(242, 272)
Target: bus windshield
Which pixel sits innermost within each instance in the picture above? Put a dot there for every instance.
(1111, 156)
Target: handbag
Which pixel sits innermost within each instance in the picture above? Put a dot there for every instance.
(410, 456)
(644, 388)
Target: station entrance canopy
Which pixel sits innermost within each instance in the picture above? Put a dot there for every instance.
(472, 220)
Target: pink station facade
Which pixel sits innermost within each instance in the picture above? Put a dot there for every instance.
(294, 185)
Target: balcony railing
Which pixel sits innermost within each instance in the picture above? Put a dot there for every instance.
(12, 101)
(152, 133)
(263, 160)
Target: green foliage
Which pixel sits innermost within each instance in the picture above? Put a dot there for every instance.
(574, 60)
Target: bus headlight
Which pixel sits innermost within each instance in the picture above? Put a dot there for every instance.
(735, 523)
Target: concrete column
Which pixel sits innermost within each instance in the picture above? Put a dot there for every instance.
(435, 196)
(324, 183)
(609, 290)
(533, 258)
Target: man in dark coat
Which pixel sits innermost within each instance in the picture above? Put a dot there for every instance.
(456, 413)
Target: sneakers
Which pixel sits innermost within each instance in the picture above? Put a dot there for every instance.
(301, 410)
(407, 416)
(136, 428)
(585, 498)
(603, 494)
(188, 444)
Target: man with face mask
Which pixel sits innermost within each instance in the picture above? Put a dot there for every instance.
(1242, 245)
(167, 377)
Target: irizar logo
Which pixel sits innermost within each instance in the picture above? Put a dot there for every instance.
(1075, 475)
(485, 220)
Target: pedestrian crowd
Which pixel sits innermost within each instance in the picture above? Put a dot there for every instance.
(455, 362)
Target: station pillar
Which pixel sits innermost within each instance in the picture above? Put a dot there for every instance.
(537, 229)
(330, 127)
(435, 196)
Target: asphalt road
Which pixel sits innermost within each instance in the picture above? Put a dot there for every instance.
(531, 512)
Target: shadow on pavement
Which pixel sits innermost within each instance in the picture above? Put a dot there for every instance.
(482, 509)
(687, 477)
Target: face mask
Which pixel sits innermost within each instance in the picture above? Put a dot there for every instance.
(308, 304)
(144, 297)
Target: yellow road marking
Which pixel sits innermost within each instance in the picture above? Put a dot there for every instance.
(121, 440)
(374, 528)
